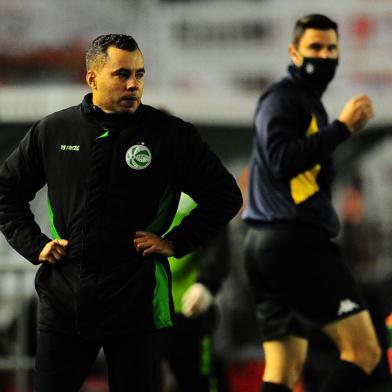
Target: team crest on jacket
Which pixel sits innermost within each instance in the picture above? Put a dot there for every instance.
(138, 157)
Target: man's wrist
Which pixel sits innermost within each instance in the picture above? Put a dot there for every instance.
(171, 244)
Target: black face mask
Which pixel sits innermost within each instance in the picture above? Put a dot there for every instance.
(318, 72)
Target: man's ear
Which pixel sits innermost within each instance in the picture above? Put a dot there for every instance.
(295, 57)
(91, 79)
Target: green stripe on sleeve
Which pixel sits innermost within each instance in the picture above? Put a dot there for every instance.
(53, 230)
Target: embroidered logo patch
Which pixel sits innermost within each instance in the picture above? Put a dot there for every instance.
(65, 147)
(138, 157)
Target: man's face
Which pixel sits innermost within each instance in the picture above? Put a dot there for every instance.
(314, 43)
(117, 85)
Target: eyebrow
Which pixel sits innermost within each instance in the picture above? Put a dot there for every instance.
(129, 71)
(320, 45)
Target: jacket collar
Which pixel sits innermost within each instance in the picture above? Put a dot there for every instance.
(294, 75)
(114, 122)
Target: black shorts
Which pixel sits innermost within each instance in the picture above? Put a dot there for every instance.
(298, 279)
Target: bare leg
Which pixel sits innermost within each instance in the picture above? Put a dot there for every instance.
(356, 340)
(359, 352)
(284, 360)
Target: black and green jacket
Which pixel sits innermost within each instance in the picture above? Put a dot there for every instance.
(107, 177)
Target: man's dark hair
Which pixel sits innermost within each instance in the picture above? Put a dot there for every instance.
(97, 50)
(312, 21)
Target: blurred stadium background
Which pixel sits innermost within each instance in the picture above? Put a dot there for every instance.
(206, 61)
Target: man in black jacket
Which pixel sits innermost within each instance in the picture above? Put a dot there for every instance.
(294, 269)
(115, 169)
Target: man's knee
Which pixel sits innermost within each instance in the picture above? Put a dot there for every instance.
(365, 354)
(356, 340)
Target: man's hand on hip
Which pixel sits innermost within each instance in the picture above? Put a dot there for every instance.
(54, 251)
(148, 243)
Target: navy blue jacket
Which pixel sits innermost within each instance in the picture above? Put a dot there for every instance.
(291, 168)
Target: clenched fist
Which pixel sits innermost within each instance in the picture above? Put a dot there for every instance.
(357, 112)
(196, 300)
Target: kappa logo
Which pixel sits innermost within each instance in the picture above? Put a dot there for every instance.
(347, 306)
(138, 157)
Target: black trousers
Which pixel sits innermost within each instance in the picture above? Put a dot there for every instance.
(63, 362)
